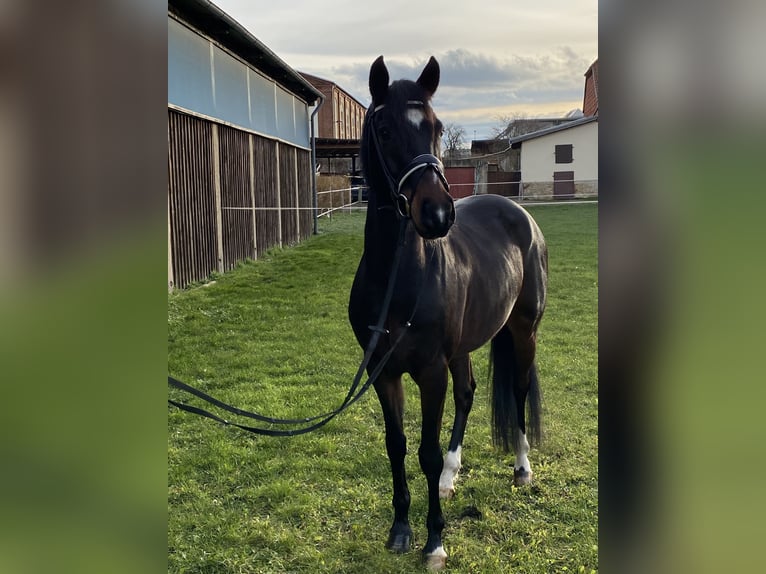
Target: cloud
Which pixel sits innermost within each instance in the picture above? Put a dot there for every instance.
(475, 80)
(508, 57)
(465, 69)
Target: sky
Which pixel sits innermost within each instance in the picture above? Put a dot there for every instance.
(498, 58)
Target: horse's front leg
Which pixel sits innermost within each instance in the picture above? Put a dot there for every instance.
(433, 388)
(391, 397)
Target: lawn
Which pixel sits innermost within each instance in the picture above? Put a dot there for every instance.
(273, 336)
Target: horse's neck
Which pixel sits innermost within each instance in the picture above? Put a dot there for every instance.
(381, 239)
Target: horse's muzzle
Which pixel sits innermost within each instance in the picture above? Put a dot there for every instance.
(432, 207)
(436, 218)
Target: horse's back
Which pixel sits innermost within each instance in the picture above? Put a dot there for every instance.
(498, 225)
(492, 216)
(495, 218)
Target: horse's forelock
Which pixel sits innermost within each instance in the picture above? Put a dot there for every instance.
(403, 91)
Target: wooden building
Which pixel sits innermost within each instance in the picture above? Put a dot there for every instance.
(342, 115)
(240, 177)
(338, 127)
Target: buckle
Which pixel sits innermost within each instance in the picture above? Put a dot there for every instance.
(402, 205)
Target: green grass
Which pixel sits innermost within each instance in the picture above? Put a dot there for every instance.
(273, 336)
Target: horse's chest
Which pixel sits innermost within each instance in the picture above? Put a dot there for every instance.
(413, 331)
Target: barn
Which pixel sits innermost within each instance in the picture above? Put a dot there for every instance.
(240, 176)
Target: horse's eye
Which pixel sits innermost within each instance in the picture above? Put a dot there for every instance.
(385, 134)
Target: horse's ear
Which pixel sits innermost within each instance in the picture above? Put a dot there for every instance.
(429, 77)
(378, 81)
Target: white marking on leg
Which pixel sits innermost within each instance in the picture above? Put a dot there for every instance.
(437, 559)
(449, 473)
(415, 116)
(522, 448)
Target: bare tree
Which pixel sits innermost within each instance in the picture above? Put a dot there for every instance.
(505, 125)
(453, 138)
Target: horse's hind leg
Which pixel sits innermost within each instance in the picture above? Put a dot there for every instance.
(523, 328)
(463, 387)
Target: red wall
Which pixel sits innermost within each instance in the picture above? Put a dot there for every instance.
(460, 180)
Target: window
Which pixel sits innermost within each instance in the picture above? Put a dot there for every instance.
(564, 153)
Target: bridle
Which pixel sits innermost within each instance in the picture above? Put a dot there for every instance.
(415, 168)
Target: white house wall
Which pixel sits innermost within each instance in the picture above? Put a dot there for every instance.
(538, 159)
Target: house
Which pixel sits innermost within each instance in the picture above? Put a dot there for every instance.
(541, 158)
(560, 162)
(240, 174)
(495, 162)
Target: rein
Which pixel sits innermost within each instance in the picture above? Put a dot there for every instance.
(353, 394)
(402, 208)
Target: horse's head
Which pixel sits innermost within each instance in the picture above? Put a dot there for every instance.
(401, 149)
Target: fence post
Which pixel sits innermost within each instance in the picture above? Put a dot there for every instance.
(217, 188)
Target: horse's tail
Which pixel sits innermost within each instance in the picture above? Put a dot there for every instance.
(506, 391)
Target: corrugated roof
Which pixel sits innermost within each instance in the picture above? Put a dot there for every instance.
(218, 25)
(546, 131)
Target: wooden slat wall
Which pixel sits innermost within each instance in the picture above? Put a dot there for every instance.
(192, 199)
(504, 183)
(267, 220)
(235, 193)
(305, 194)
(288, 193)
(278, 179)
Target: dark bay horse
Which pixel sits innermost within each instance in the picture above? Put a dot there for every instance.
(468, 272)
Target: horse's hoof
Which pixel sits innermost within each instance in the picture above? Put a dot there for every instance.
(521, 477)
(399, 542)
(437, 559)
(445, 493)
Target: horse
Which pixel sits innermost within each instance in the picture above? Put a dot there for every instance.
(467, 272)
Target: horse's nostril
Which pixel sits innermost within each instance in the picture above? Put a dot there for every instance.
(436, 219)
